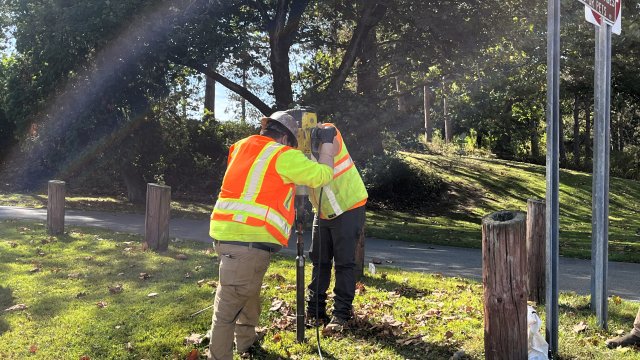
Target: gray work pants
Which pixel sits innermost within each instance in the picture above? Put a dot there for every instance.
(636, 325)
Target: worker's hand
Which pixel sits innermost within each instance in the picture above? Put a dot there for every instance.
(325, 134)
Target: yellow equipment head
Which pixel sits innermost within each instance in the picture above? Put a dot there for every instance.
(307, 120)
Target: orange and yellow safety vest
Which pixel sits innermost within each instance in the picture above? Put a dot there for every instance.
(346, 191)
(256, 200)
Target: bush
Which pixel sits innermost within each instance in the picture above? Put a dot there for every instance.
(395, 184)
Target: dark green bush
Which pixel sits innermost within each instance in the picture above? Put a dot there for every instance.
(395, 184)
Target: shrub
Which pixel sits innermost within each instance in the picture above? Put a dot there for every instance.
(393, 183)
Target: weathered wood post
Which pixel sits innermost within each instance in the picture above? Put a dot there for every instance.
(359, 269)
(427, 115)
(536, 254)
(55, 207)
(156, 223)
(504, 269)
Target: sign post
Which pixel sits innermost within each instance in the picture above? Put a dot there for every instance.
(553, 174)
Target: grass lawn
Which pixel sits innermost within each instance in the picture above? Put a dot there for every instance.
(86, 294)
(476, 187)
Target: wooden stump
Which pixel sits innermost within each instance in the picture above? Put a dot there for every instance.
(55, 207)
(536, 245)
(504, 269)
(359, 269)
(156, 223)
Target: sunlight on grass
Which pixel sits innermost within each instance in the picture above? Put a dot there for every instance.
(71, 312)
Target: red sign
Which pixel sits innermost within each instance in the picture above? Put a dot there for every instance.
(608, 9)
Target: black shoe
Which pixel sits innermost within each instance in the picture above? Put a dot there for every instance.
(335, 325)
(255, 350)
(313, 321)
(624, 341)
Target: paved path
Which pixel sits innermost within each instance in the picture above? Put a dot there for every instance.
(624, 278)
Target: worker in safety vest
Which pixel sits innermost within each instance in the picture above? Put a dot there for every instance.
(631, 339)
(338, 223)
(253, 218)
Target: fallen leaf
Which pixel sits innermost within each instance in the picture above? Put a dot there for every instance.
(616, 299)
(116, 289)
(144, 276)
(16, 308)
(101, 304)
(34, 270)
(277, 277)
(74, 276)
(145, 246)
(360, 289)
(128, 346)
(181, 257)
(212, 283)
(276, 305)
(620, 332)
(200, 282)
(580, 327)
(81, 294)
(276, 338)
(448, 334)
(152, 294)
(85, 357)
(13, 244)
(187, 275)
(33, 348)
(193, 355)
(193, 339)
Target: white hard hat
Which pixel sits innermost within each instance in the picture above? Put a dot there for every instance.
(285, 119)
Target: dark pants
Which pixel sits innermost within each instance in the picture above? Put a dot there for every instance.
(335, 240)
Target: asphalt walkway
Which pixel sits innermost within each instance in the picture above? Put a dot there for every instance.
(624, 279)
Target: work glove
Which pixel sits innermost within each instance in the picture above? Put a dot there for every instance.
(325, 135)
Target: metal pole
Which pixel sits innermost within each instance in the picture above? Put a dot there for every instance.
(300, 216)
(553, 170)
(600, 210)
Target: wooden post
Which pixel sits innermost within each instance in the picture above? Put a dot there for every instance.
(156, 223)
(359, 269)
(427, 115)
(504, 268)
(536, 254)
(55, 207)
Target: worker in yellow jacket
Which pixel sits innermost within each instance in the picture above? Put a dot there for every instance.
(339, 221)
(252, 219)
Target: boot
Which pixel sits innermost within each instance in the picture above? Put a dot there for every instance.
(624, 341)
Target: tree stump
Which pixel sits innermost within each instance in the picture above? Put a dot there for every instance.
(536, 245)
(156, 223)
(359, 255)
(55, 207)
(504, 269)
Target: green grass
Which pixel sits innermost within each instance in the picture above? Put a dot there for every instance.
(391, 308)
(476, 187)
(480, 186)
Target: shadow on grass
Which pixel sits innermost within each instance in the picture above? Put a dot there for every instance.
(6, 300)
(408, 346)
(401, 289)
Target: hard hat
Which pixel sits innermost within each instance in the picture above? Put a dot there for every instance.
(285, 119)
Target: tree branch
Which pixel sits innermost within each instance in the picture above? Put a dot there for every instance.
(236, 88)
(370, 16)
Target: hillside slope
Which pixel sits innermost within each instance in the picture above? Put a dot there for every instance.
(479, 186)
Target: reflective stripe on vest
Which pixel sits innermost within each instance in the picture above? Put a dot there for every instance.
(256, 174)
(345, 190)
(260, 212)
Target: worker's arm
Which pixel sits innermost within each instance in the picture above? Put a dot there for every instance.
(294, 167)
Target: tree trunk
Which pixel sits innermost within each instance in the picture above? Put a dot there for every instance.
(536, 247)
(243, 101)
(210, 93)
(279, 60)
(367, 71)
(428, 126)
(402, 99)
(576, 132)
(535, 140)
(372, 12)
(133, 180)
(445, 114)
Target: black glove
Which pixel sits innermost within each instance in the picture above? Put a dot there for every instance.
(325, 135)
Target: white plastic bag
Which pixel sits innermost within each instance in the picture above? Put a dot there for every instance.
(372, 269)
(538, 347)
